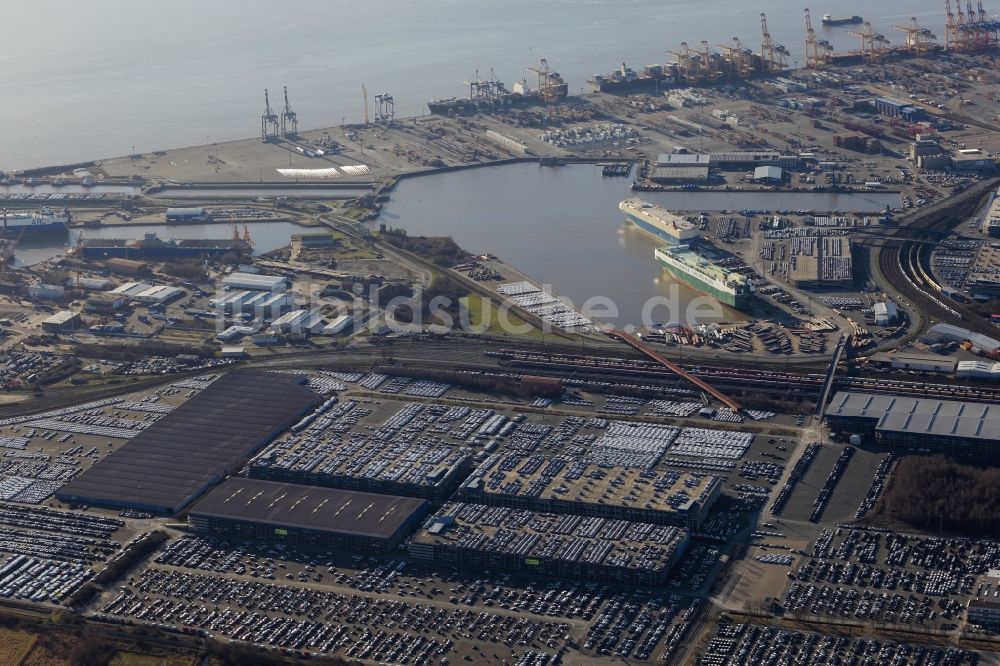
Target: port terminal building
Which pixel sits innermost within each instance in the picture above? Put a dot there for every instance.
(947, 426)
(567, 486)
(564, 546)
(242, 508)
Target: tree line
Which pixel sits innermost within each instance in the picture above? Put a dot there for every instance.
(940, 495)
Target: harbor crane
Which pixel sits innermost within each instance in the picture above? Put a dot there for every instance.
(919, 40)
(685, 63)
(819, 52)
(549, 83)
(385, 109)
(873, 44)
(773, 55)
(289, 119)
(270, 126)
(707, 63)
(982, 30)
(735, 56)
(955, 37)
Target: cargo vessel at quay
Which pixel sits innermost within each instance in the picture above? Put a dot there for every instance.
(19, 224)
(658, 222)
(151, 246)
(490, 95)
(700, 274)
(625, 79)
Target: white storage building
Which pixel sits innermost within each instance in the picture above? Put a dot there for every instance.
(979, 370)
(299, 322)
(46, 292)
(337, 325)
(255, 282)
(131, 289)
(885, 313)
(158, 294)
(984, 344)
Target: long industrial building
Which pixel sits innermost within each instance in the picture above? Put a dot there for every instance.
(213, 434)
(565, 546)
(243, 508)
(917, 423)
(559, 485)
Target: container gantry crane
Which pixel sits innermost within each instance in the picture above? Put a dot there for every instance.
(819, 52)
(873, 44)
(773, 55)
(289, 119)
(919, 40)
(270, 126)
(736, 58)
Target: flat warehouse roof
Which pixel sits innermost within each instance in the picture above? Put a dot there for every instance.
(171, 462)
(310, 507)
(921, 416)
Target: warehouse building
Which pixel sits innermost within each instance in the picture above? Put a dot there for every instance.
(299, 322)
(104, 303)
(979, 343)
(914, 361)
(257, 303)
(681, 168)
(255, 282)
(560, 485)
(61, 321)
(131, 289)
(886, 313)
(243, 508)
(751, 159)
(46, 292)
(770, 175)
(183, 454)
(563, 546)
(158, 295)
(90, 284)
(897, 109)
(917, 423)
(981, 370)
(984, 612)
(338, 325)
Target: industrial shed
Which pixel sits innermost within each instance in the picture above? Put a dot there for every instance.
(252, 509)
(194, 447)
(918, 423)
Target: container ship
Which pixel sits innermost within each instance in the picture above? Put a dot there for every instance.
(151, 246)
(45, 222)
(854, 20)
(658, 222)
(702, 275)
(626, 79)
(488, 95)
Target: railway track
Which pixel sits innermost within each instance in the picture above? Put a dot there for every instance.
(920, 389)
(904, 262)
